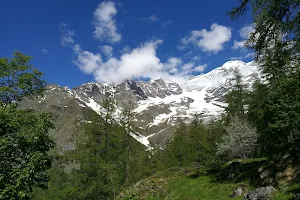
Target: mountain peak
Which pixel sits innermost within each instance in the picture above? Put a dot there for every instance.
(158, 103)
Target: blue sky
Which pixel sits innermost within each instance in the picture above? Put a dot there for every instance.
(73, 42)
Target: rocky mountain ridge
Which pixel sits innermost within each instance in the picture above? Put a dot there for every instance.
(158, 104)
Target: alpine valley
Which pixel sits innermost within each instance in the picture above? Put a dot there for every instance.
(158, 104)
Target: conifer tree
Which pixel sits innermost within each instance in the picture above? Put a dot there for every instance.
(127, 123)
(236, 99)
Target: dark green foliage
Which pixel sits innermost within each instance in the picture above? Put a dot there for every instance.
(274, 105)
(257, 105)
(236, 99)
(274, 19)
(192, 145)
(24, 139)
(24, 144)
(128, 127)
(18, 78)
(177, 151)
(240, 170)
(282, 113)
(105, 160)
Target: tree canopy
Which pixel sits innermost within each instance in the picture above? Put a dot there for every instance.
(24, 139)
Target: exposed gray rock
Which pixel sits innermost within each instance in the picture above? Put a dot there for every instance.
(262, 193)
(242, 189)
(266, 175)
(158, 104)
(297, 196)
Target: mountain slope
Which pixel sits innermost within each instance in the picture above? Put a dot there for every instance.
(158, 104)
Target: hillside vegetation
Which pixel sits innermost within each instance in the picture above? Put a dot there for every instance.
(190, 184)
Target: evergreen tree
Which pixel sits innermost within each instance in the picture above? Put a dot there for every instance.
(276, 43)
(275, 20)
(177, 152)
(282, 115)
(236, 99)
(127, 123)
(201, 149)
(191, 145)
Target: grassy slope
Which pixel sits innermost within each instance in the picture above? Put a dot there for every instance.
(187, 188)
(187, 185)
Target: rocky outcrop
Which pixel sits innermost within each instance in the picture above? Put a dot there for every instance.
(262, 193)
(238, 192)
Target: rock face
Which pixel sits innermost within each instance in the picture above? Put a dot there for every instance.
(158, 104)
(262, 193)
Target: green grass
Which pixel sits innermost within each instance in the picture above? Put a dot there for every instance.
(192, 184)
(186, 188)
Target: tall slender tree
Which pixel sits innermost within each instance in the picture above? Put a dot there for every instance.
(236, 99)
(127, 123)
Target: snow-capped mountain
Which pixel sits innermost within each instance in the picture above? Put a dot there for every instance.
(158, 104)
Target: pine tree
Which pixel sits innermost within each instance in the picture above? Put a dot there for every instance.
(177, 152)
(236, 99)
(127, 123)
(200, 147)
(275, 20)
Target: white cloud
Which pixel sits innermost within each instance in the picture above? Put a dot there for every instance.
(187, 67)
(238, 44)
(45, 51)
(141, 62)
(200, 68)
(249, 55)
(125, 49)
(106, 50)
(66, 35)
(172, 64)
(105, 24)
(87, 61)
(152, 19)
(209, 41)
(192, 67)
(236, 58)
(245, 33)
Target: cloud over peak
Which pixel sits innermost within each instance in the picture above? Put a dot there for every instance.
(105, 24)
(209, 40)
(140, 62)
